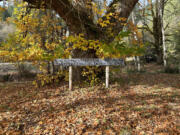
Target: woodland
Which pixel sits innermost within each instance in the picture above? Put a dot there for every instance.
(143, 95)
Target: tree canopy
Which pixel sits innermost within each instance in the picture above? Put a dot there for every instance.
(79, 16)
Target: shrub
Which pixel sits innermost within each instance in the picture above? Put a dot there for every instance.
(172, 69)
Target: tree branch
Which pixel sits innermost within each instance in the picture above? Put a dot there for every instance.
(80, 19)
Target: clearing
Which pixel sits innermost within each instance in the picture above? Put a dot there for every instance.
(135, 103)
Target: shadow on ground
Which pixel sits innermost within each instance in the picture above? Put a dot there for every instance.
(134, 104)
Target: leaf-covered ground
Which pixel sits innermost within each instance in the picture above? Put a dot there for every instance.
(135, 104)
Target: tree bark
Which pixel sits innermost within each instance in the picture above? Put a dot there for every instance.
(159, 33)
(81, 20)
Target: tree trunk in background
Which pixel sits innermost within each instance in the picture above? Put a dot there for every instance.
(4, 3)
(144, 21)
(137, 59)
(157, 9)
(157, 33)
(161, 10)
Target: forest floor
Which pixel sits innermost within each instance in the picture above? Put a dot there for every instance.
(135, 104)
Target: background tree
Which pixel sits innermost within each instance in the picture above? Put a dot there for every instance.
(156, 14)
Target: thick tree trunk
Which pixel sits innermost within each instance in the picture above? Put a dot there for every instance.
(80, 19)
(158, 45)
(159, 36)
(157, 33)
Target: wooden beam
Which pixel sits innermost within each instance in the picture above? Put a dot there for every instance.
(89, 62)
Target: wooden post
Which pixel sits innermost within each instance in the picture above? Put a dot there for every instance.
(70, 76)
(107, 76)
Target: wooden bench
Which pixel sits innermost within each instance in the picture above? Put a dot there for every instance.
(89, 62)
